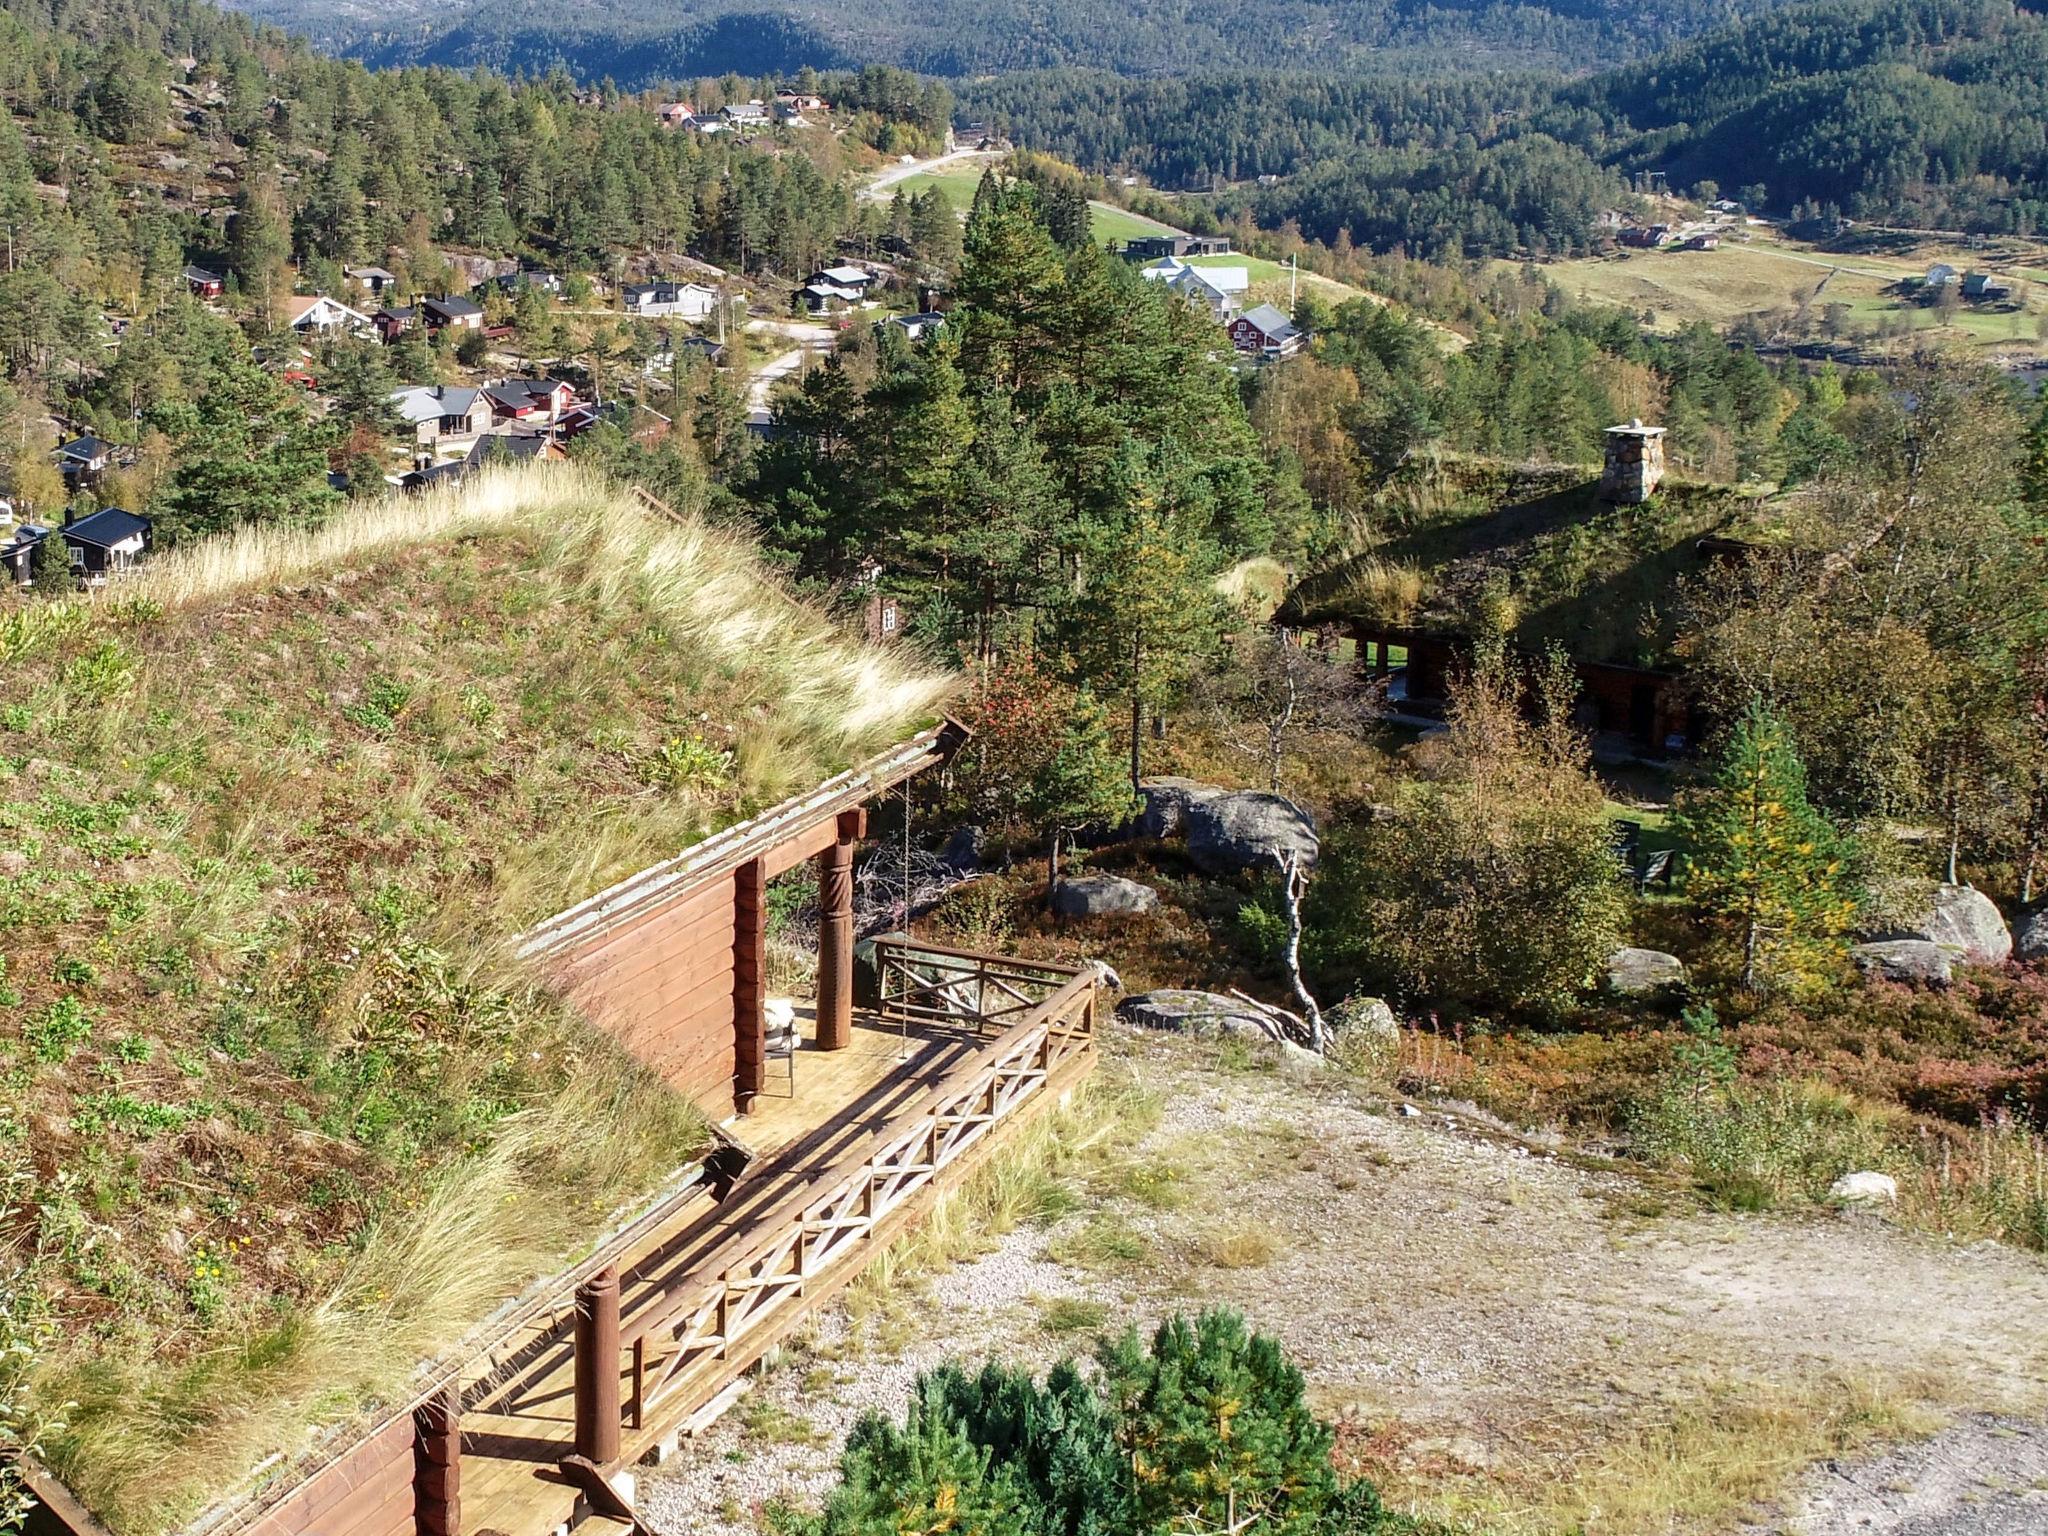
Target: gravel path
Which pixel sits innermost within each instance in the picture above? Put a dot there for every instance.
(1466, 1300)
(1982, 1476)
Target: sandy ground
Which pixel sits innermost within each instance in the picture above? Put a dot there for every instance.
(1463, 1300)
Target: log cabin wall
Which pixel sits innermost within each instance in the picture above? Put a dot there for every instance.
(369, 1492)
(662, 985)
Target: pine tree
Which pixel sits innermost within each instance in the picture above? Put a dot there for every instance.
(1765, 862)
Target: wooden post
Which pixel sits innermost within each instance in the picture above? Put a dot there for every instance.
(437, 1465)
(749, 982)
(597, 1367)
(835, 935)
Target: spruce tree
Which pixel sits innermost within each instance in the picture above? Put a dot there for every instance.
(1766, 863)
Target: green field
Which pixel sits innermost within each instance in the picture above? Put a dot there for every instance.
(1770, 274)
(958, 184)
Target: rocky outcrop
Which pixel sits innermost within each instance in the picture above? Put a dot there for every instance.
(1210, 1015)
(2030, 941)
(1915, 962)
(1961, 919)
(1246, 829)
(1102, 896)
(1644, 972)
(1182, 1011)
(1164, 804)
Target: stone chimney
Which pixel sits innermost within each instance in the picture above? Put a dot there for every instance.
(1635, 464)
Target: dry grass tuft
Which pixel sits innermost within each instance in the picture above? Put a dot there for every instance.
(1389, 592)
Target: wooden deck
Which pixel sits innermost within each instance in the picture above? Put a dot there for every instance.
(518, 1414)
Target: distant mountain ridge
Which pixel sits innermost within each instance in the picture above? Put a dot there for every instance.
(639, 43)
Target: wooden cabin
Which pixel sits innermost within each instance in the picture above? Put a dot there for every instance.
(1643, 711)
(838, 1126)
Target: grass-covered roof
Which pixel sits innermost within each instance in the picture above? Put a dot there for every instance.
(282, 1117)
(1532, 547)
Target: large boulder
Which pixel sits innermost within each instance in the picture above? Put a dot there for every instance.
(1959, 918)
(1915, 962)
(1247, 829)
(1643, 972)
(1369, 1018)
(1102, 896)
(2030, 941)
(1165, 804)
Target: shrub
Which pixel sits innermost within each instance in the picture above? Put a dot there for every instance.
(1758, 1144)
(1497, 883)
(1204, 1428)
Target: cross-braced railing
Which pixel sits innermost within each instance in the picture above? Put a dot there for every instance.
(686, 1341)
(930, 984)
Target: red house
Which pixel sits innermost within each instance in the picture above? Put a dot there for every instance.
(529, 400)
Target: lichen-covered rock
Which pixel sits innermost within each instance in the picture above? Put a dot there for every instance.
(1959, 918)
(1643, 972)
(1102, 896)
(1165, 802)
(1367, 1017)
(2030, 940)
(1247, 829)
(1915, 962)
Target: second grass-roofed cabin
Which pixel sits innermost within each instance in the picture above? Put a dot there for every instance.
(418, 1118)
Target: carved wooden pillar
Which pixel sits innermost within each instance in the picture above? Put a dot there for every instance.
(597, 1367)
(835, 935)
(437, 1465)
(749, 982)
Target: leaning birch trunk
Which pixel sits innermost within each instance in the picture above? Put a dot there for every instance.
(1294, 886)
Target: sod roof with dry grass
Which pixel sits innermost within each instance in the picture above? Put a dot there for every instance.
(282, 1116)
(1452, 537)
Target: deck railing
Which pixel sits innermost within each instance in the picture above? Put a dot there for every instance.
(683, 1344)
(931, 984)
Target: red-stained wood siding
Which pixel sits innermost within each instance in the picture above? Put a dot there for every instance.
(367, 1493)
(663, 987)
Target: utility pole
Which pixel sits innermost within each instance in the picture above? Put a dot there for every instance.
(1293, 281)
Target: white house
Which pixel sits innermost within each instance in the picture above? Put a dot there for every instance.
(315, 314)
(1214, 288)
(438, 413)
(683, 301)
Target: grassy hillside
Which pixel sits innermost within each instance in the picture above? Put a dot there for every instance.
(283, 1115)
(1772, 274)
(1534, 547)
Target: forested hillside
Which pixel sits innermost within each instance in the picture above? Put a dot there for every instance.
(640, 43)
(1929, 113)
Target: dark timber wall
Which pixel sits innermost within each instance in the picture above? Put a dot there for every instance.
(662, 985)
(367, 1493)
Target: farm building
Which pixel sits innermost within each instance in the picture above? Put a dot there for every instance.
(524, 1002)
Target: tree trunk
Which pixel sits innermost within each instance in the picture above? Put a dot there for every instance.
(1293, 886)
(1955, 816)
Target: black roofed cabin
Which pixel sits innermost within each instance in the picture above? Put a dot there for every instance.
(106, 543)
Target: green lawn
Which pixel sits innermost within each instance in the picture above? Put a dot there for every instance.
(958, 184)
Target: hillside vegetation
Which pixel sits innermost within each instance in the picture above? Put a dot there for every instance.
(283, 1117)
(639, 44)
(1927, 113)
